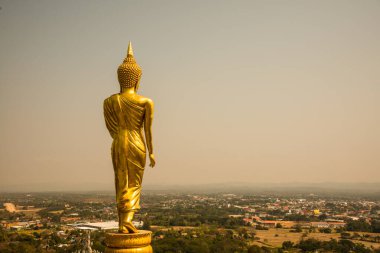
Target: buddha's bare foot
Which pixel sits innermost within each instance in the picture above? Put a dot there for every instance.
(127, 228)
(131, 228)
(123, 230)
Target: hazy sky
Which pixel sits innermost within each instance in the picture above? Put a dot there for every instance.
(244, 91)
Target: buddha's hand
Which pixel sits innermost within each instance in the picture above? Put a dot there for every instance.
(152, 160)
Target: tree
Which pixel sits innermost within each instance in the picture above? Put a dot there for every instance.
(3, 235)
(297, 229)
(22, 247)
(325, 230)
(309, 245)
(146, 225)
(358, 225)
(287, 245)
(375, 224)
(255, 249)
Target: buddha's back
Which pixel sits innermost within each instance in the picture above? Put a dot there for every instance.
(128, 116)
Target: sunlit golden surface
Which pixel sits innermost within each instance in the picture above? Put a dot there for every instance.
(127, 116)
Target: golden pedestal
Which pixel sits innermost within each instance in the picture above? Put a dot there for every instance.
(129, 243)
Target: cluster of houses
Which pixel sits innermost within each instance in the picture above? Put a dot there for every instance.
(328, 223)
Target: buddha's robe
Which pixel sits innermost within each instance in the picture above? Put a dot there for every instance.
(124, 120)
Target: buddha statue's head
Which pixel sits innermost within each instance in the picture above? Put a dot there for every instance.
(129, 72)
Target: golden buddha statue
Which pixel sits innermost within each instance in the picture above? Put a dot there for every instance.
(127, 115)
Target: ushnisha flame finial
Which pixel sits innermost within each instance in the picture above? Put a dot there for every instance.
(130, 49)
(129, 72)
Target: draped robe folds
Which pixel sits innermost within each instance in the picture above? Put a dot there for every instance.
(125, 120)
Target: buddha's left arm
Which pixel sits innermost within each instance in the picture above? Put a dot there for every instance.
(149, 107)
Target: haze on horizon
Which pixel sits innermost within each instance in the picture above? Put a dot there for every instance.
(245, 91)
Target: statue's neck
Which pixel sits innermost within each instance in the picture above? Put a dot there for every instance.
(129, 90)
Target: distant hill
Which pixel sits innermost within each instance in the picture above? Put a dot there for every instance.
(325, 188)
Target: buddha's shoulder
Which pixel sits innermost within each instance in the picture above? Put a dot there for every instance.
(111, 98)
(143, 100)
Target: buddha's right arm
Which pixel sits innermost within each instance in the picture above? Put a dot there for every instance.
(109, 117)
(148, 125)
